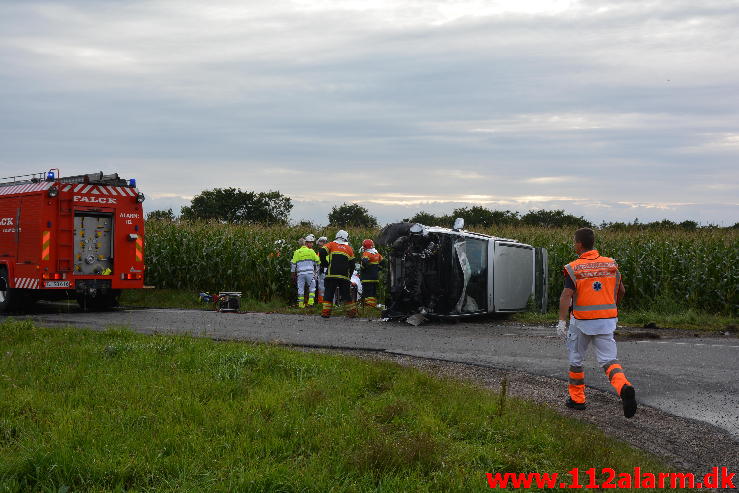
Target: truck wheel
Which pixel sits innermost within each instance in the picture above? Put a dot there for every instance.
(10, 299)
(5, 296)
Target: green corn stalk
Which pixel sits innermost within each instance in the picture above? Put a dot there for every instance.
(689, 269)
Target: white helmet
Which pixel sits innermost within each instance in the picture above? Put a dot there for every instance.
(342, 235)
(323, 239)
(310, 237)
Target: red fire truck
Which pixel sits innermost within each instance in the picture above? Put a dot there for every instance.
(69, 237)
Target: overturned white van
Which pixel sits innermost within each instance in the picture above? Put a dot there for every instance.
(446, 272)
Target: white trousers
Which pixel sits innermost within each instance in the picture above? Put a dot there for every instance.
(357, 284)
(321, 284)
(578, 343)
(306, 278)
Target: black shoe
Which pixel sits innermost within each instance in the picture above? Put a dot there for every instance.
(325, 316)
(580, 406)
(628, 399)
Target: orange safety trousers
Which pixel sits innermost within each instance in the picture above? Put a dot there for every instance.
(351, 309)
(327, 308)
(616, 375)
(576, 387)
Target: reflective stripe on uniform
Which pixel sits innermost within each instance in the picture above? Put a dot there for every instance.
(592, 308)
(571, 272)
(608, 364)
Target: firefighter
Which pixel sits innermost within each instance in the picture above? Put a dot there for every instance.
(320, 288)
(337, 258)
(371, 262)
(594, 284)
(304, 266)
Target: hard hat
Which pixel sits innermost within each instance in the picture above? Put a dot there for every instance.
(310, 238)
(367, 244)
(342, 235)
(322, 239)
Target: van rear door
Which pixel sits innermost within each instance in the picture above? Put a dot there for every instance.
(513, 275)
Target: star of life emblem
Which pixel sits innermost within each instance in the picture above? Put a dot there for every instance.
(597, 286)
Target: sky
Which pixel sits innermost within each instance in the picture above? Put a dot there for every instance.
(613, 110)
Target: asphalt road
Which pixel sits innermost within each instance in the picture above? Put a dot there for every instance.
(693, 377)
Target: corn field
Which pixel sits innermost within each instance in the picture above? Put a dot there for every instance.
(661, 268)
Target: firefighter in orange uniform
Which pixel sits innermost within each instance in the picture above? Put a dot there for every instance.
(371, 263)
(593, 288)
(337, 259)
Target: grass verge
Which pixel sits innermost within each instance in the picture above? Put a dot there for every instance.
(100, 411)
(174, 298)
(671, 317)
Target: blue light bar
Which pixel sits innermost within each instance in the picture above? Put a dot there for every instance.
(50, 176)
(132, 182)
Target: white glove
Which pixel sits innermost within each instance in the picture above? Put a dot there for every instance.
(562, 329)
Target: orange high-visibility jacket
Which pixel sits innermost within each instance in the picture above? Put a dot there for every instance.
(596, 281)
(371, 266)
(337, 259)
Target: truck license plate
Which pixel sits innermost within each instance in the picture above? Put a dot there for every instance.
(56, 284)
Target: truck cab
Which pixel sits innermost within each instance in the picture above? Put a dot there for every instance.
(447, 272)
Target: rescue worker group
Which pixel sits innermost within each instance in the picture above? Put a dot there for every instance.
(324, 273)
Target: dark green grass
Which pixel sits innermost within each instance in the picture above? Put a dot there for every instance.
(94, 411)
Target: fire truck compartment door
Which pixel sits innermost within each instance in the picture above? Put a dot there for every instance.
(513, 275)
(93, 243)
(27, 231)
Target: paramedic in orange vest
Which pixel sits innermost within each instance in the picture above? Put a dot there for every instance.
(371, 262)
(593, 289)
(337, 259)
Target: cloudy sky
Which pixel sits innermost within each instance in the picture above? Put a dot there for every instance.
(608, 109)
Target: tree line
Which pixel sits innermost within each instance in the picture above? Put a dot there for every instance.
(232, 205)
